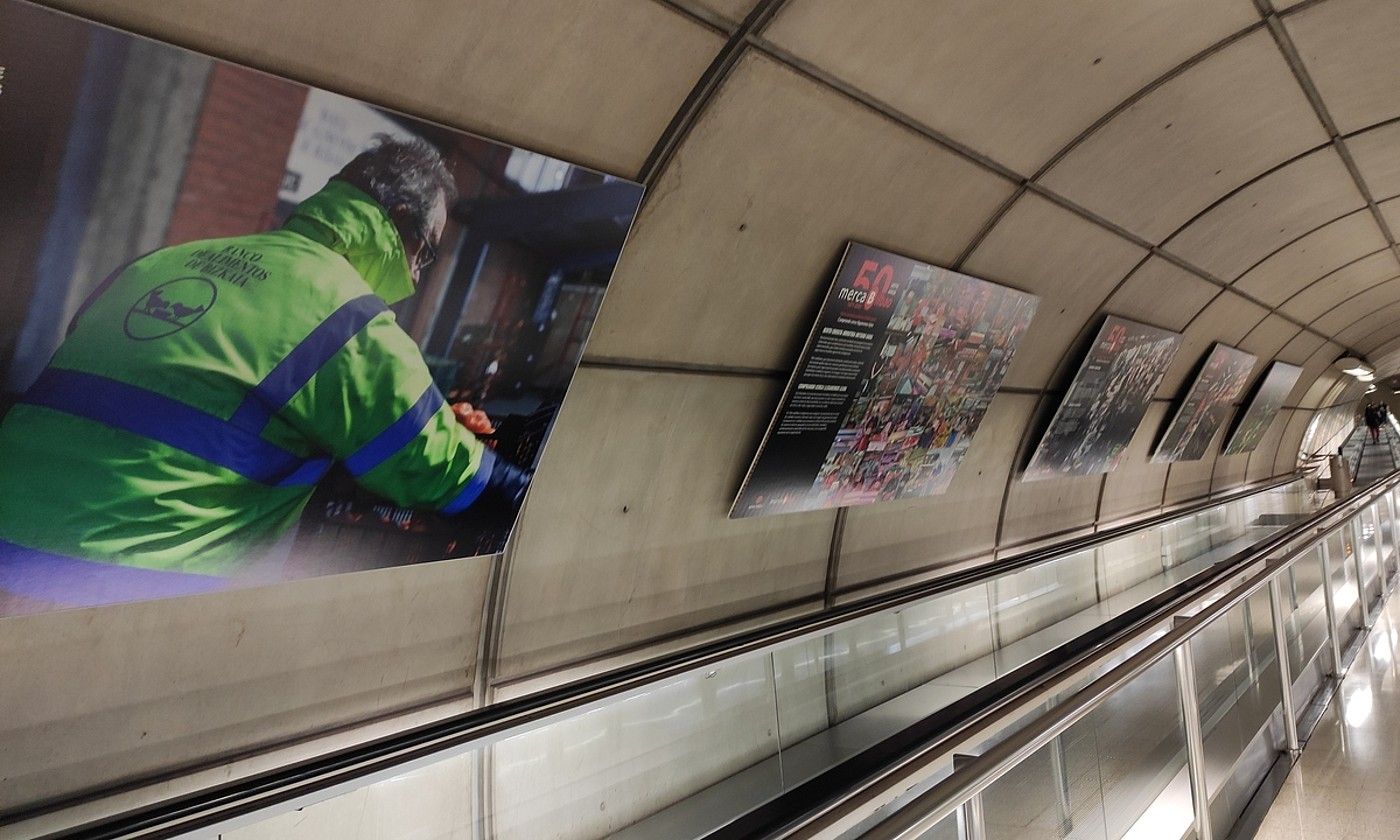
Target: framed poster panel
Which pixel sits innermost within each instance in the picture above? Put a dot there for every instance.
(256, 331)
(1219, 382)
(1106, 401)
(1263, 406)
(894, 380)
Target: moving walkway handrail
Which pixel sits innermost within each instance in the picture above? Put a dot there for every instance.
(970, 779)
(318, 778)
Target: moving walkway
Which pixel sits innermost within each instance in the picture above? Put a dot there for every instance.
(1129, 684)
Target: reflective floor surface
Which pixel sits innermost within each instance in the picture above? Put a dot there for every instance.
(1346, 786)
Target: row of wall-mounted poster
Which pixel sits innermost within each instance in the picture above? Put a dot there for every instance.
(332, 337)
(904, 359)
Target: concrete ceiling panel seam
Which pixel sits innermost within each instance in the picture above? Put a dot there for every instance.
(1349, 46)
(1279, 168)
(1289, 201)
(1294, 297)
(700, 96)
(1390, 209)
(1286, 45)
(1300, 350)
(1387, 356)
(1318, 365)
(1374, 337)
(1139, 295)
(1024, 183)
(1374, 150)
(1359, 303)
(587, 104)
(753, 192)
(1121, 107)
(703, 15)
(1225, 121)
(1299, 238)
(687, 114)
(821, 76)
(495, 610)
(1189, 265)
(708, 369)
(1295, 267)
(1374, 324)
(1269, 346)
(1018, 83)
(1159, 251)
(1074, 265)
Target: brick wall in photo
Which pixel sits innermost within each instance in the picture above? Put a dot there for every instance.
(239, 153)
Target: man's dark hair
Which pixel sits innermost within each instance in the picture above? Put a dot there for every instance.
(402, 172)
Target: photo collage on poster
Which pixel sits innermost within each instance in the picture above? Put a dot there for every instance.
(894, 380)
(1106, 401)
(1263, 406)
(256, 331)
(1219, 383)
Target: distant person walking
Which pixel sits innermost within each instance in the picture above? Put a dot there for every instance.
(1373, 417)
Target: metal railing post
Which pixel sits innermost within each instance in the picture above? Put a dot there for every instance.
(1195, 743)
(1249, 662)
(1285, 668)
(1382, 572)
(974, 817)
(1362, 599)
(1059, 766)
(1328, 600)
(1390, 514)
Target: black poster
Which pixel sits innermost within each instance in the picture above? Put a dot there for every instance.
(894, 380)
(1106, 401)
(1219, 383)
(1263, 407)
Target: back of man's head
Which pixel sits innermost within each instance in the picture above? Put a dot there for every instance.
(402, 173)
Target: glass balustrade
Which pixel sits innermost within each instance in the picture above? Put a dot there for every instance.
(1245, 684)
(685, 755)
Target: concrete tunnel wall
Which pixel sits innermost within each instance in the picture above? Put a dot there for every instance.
(1201, 165)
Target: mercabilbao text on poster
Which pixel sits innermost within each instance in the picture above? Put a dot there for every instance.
(256, 331)
(893, 382)
(1106, 402)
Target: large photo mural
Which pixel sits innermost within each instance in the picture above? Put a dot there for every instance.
(253, 331)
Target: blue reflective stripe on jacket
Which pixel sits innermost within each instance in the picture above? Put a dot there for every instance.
(151, 415)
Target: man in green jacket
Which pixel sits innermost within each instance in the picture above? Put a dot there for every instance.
(205, 388)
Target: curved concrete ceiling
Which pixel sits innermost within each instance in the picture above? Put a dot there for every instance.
(1226, 168)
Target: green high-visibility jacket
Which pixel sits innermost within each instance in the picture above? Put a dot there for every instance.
(205, 388)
